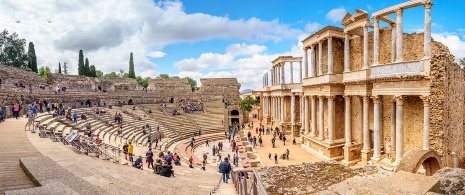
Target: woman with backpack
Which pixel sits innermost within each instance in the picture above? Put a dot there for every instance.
(149, 156)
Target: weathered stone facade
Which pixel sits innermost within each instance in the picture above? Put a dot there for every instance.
(375, 94)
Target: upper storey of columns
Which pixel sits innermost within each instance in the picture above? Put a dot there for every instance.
(400, 6)
(354, 23)
(323, 34)
(283, 59)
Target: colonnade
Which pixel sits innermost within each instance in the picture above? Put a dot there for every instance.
(314, 70)
(278, 74)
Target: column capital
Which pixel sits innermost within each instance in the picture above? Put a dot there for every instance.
(376, 99)
(366, 98)
(393, 25)
(365, 27)
(425, 100)
(399, 11)
(428, 4)
(399, 100)
(347, 98)
(331, 97)
(321, 97)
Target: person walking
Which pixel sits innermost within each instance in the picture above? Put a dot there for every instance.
(236, 160)
(225, 169)
(149, 159)
(75, 115)
(125, 151)
(130, 152)
(275, 158)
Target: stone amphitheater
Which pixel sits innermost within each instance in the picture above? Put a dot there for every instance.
(345, 151)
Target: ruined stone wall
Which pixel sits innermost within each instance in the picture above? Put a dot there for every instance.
(11, 75)
(413, 123)
(446, 105)
(339, 117)
(87, 84)
(386, 119)
(324, 58)
(338, 56)
(219, 88)
(356, 109)
(356, 53)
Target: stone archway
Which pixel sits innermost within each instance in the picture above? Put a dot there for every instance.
(130, 102)
(234, 112)
(414, 159)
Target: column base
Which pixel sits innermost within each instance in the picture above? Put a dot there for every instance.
(366, 156)
(351, 154)
(375, 158)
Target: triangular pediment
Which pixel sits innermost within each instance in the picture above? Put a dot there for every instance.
(346, 18)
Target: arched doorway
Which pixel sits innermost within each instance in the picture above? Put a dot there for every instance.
(130, 102)
(171, 100)
(234, 112)
(429, 160)
(88, 103)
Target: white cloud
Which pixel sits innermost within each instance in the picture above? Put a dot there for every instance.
(204, 61)
(244, 49)
(107, 31)
(312, 27)
(336, 15)
(156, 54)
(453, 42)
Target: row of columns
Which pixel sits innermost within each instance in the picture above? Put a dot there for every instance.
(277, 74)
(265, 80)
(313, 122)
(313, 69)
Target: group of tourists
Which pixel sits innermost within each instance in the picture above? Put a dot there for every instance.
(189, 107)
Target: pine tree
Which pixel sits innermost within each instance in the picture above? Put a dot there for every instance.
(92, 71)
(87, 68)
(81, 63)
(132, 74)
(65, 68)
(32, 58)
(59, 67)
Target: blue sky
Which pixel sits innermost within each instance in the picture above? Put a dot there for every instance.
(198, 38)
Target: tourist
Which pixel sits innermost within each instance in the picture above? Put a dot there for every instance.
(225, 169)
(16, 110)
(176, 159)
(75, 115)
(191, 162)
(237, 149)
(213, 150)
(269, 156)
(200, 133)
(284, 139)
(30, 88)
(275, 158)
(203, 165)
(169, 157)
(236, 160)
(207, 143)
(287, 154)
(138, 163)
(293, 141)
(191, 142)
(41, 105)
(83, 117)
(49, 107)
(130, 152)
(260, 141)
(125, 151)
(166, 170)
(2, 114)
(219, 157)
(149, 159)
(205, 157)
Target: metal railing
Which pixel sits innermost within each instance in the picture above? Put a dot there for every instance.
(247, 182)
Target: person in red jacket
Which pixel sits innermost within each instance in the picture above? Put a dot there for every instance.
(191, 162)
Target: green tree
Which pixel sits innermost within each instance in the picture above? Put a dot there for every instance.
(192, 82)
(245, 105)
(132, 74)
(32, 58)
(12, 50)
(93, 72)
(238, 85)
(65, 68)
(144, 82)
(98, 74)
(81, 63)
(462, 63)
(111, 75)
(87, 68)
(163, 76)
(59, 67)
(44, 71)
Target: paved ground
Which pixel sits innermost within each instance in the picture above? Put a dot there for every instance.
(297, 155)
(14, 145)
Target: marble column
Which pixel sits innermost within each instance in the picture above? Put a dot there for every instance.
(300, 71)
(302, 116)
(312, 62)
(293, 109)
(313, 115)
(346, 52)
(427, 34)
(393, 125)
(426, 145)
(278, 108)
(330, 55)
(366, 130)
(292, 72)
(376, 42)
(347, 121)
(399, 128)
(283, 79)
(365, 47)
(306, 115)
(393, 42)
(278, 69)
(377, 128)
(306, 62)
(399, 36)
(272, 78)
(331, 114)
(321, 130)
(320, 58)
